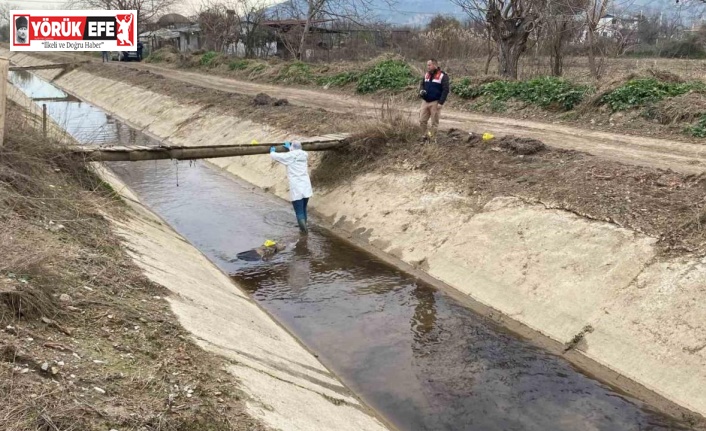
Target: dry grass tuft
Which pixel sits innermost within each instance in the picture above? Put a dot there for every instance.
(393, 128)
(686, 108)
(29, 303)
(70, 294)
(393, 125)
(665, 76)
(590, 103)
(42, 189)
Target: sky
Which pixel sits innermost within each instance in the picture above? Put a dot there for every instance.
(411, 12)
(185, 6)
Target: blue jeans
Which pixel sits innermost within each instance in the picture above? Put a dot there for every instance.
(300, 208)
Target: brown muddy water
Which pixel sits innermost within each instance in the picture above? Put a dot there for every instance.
(417, 356)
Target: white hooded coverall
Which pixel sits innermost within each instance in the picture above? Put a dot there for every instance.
(297, 165)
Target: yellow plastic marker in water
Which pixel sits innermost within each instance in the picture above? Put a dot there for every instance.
(254, 142)
(487, 136)
(269, 243)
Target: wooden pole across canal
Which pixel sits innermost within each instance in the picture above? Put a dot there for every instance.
(141, 153)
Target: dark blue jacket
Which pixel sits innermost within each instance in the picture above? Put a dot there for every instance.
(436, 86)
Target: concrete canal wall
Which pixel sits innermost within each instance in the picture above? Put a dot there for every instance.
(641, 317)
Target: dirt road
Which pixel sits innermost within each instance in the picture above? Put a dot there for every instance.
(660, 153)
(666, 154)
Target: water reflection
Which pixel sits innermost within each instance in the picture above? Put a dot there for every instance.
(421, 358)
(83, 121)
(33, 86)
(299, 267)
(423, 323)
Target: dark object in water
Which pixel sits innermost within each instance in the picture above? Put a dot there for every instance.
(249, 256)
(260, 253)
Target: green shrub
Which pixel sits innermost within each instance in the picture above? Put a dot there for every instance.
(502, 90)
(698, 129)
(646, 91)
(207, 58)
(546, 92)
(550, 91)
(295, 73)
(393, 75)
(339, 80)
(465, 89)
(238, 65)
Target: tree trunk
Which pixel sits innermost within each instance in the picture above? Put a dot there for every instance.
(557, 64)
(556, 55)
(557, 47)
(490, 51)
(302, 43)
(249, 43)
(592, 54)
(509, 52)
(511, 36)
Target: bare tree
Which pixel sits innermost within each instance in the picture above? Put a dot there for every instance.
(253, 13)
(510, 23)
(219, 24)
(594, 11)
(309, 11)
(672, 24)
(226, 23)
(649, 28)
(560, 25)
(441, 22)
(147, 10)
(480, 26)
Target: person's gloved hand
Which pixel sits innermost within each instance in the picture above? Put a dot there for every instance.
(287, 145)
(422, 93)
(273, 150)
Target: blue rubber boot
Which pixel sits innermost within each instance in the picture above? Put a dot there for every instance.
(302, 225)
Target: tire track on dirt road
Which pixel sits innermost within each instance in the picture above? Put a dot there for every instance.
(658, 153)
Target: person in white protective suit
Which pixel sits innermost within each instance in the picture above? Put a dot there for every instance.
(296, 161)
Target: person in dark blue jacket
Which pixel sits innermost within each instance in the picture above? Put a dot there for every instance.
(434, 89)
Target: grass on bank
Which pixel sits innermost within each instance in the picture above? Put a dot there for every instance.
(86, 341)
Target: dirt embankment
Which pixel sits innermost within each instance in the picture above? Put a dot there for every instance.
(656, 109)
(662, 204)
(659, 203)
(87, 342)
(545, 99)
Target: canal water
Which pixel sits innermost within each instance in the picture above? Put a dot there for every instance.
(414, 354)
